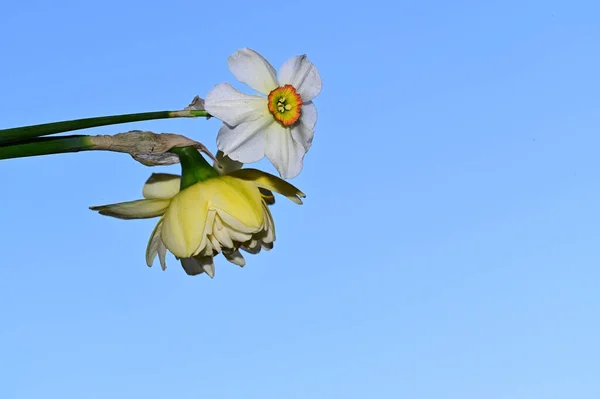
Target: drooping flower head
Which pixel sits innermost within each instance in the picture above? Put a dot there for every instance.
(218, 214)
(279, 126)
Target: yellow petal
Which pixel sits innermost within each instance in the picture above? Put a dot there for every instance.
(153, 244)
(140, 209)
(184, 222)
(269, 231)
(162, 255)
(192, 216)
(221, 233)
(239, 200)
(161, 185)
(270, 182)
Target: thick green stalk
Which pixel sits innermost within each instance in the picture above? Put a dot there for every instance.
(194, 168)
(45, 146)
(27, 132)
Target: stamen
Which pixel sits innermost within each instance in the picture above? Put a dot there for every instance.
(285, 104)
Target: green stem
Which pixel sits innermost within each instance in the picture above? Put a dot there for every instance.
(45, 146)
(194, 168)
(27, 132)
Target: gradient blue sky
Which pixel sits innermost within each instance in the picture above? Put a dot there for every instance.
(448, 247)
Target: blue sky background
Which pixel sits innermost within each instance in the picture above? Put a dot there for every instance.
(448, 247)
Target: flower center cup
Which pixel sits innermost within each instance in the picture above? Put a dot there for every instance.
(285, 104)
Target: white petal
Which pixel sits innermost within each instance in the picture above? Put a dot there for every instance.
(245, 142)
(140, 209)
(303, 75)
(253, 69)
(284, 152)
(161, 186)
(225, 164)
(235, 257)
(234, 107)
(303, 131)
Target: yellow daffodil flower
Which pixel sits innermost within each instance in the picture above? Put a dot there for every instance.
(279, 125)
(220, 214)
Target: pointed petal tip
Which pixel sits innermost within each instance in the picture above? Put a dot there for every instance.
(267, 246)
(270, 183)
(297, 198)
(209, 269)
(139, 209)
(235, 257)
(251, 68)
(162, 254)
(194, 266)
(301, 73)
(251, 250)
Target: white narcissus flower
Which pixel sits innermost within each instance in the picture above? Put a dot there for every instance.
(218, 215)
(280, 125)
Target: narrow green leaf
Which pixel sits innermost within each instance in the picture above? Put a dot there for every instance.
(45, 146)
(27, 132)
